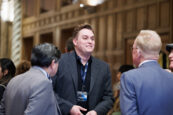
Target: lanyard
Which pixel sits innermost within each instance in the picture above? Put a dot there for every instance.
(84, 72)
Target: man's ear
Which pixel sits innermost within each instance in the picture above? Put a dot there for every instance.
(52, 63)
(74, 41)
(139, 53)
(5, 72)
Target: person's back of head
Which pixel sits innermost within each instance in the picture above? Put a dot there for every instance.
(69, 45)
(43, 54)
(126, 67)
(8, 70)
(122, 69)
(149, 43)
(23, 66)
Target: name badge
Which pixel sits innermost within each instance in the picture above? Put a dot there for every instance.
(81, 96)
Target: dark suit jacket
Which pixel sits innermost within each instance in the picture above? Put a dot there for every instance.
(30, 93)
(2, 89)
(66, 85)
(147, 90)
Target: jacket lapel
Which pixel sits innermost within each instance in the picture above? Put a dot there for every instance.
(73, 71)
(94, 73)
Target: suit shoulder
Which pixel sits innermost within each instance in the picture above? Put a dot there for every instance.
(130, 74)
(99, 62)
(66, 56)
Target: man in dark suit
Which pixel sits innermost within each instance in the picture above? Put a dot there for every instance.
(32, 93)
(148, 89)
(83, 83)
(169, 48)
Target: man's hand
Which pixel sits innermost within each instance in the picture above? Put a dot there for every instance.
(92, 113)
(76, 110)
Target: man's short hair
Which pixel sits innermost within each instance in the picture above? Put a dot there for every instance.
(125, 68)
(80, 27)
(43, 54)
(169, 47)
(149, 42)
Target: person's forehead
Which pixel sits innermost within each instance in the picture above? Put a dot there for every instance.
(86, 31)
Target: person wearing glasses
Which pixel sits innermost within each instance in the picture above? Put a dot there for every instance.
(146, 90)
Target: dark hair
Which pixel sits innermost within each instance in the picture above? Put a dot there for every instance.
(125, 68)
(23, 66)
(7, 64)
(80, 27)
(169, 47)
(69, 45)
(43, 54)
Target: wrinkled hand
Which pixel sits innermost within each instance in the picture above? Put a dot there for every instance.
(76, 110)
(92, 113)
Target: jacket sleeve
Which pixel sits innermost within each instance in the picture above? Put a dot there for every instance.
(128, 103)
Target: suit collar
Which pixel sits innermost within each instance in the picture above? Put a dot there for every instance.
(73, 69)
(149, 63)
(33, 69)
(94, 72)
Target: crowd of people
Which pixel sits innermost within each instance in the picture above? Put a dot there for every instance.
(77, 83)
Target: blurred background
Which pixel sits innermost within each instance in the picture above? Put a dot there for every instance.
(26, 23)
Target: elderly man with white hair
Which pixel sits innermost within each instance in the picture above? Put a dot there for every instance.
(148, 89)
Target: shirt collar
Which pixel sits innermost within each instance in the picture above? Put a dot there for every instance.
(145, 62)
(43, 71)
(78, 58)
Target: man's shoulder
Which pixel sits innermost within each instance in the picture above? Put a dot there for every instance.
(67, 56)
(33, 75)
(131, 74)
(98, 61)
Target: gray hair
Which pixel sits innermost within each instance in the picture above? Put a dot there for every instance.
(149, 42)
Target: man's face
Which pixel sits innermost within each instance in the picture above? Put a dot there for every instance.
(118, 76)
(135, 55)
(171, 60)
(85, 41)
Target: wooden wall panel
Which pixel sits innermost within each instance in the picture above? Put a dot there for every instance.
(141, 18)
(102, 34)
(120, 2)
(130, 20)
(119, 30)
(164, 14)
(116, 24)
(128, 51)
(110, 32)
(27, 48)
(152, 19)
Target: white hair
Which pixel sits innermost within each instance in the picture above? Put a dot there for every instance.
(149, 42)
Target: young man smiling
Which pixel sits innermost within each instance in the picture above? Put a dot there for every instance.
(83, 83)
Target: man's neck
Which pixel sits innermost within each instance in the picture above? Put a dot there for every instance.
(84, 57)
